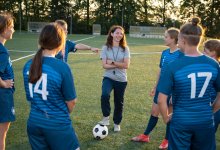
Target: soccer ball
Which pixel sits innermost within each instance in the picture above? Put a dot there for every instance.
(100, 131)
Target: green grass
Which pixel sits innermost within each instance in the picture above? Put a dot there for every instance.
(88, 72)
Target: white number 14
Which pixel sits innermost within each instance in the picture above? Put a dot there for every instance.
(43, 91)
(208, 76)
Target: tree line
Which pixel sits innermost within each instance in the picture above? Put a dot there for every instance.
(84, 13)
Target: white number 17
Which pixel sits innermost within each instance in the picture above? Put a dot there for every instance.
(193, 76)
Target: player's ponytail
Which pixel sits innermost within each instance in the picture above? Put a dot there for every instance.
(36, 67)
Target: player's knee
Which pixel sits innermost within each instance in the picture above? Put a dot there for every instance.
(155, 112)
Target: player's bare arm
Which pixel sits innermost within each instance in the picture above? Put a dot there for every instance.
(86, 47)
(71, 104)
(216, 104)
(162, 103)
(6, 83)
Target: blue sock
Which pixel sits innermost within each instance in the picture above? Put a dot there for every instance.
(167, 131)
(151, 124)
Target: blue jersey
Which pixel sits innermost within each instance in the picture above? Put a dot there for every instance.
(69, 47)
(213, 94)
(49, 94)
(167, 57)
(6, 70)
(191, 80)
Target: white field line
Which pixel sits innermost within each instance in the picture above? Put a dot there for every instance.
(22, 57)
(134, 53)
(149, 53)
(18, 51)
(34, 53)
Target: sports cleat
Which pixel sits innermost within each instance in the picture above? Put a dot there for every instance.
(141, 138)
(104, 121)
(164, 144)
(117, 128)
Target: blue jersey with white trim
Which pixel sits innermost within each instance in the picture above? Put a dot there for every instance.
(167, 57)
(49, 94)
(6, 70)
(69, 47)
(191, 80)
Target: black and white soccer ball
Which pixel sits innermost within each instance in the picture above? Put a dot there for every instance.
(100, 131)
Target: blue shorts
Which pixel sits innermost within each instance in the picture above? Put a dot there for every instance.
(156, 98)
(217, 119)
(45, 139)
(7, 112)
(197, 139)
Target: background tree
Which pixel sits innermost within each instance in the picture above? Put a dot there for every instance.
(189, 8)
(82, 14)
(143, 14)
(212, 18)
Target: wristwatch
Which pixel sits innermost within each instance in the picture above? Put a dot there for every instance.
(75, 49)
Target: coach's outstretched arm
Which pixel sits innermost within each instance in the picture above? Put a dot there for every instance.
(86, 47)
(216, 104)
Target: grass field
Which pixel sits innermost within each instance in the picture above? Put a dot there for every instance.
(88, 72)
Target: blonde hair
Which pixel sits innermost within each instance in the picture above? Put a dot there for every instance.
(173, 33)
(6, 20)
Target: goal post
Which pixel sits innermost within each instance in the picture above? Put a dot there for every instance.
(36, 26)
(96, 29)
(147, 32)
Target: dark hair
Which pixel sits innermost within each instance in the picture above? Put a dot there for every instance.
(192, 31)
(109, 42)
(51, 37)
(173, 33)
(61, 22)
(6, 20)
(213, 45)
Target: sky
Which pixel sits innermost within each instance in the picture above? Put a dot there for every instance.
(176, 2)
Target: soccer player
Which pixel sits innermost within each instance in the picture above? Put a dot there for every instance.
(115, 57)
(212, 49)
(168, 55)
(49, 88)
(70, 45)
(191, 79)
(7, 112)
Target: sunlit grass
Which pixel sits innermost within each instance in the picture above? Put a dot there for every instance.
(88, 73)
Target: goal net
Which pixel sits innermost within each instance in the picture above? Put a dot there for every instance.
(36, 26)
(96, 29)
(147, 32)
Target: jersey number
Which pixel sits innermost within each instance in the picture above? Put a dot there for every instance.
(43, 91)
(193, 76)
